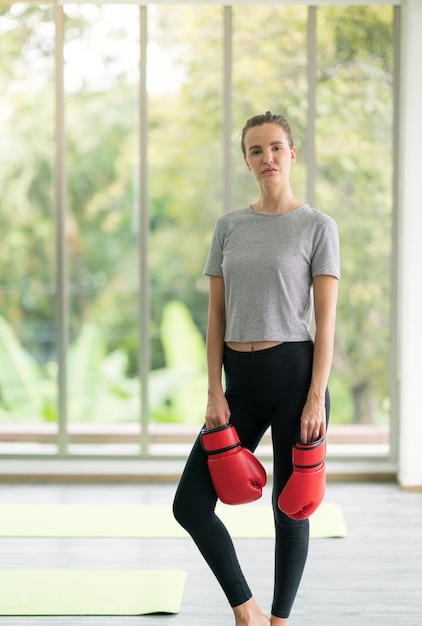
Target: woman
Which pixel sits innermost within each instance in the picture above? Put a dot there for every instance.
(268, 263)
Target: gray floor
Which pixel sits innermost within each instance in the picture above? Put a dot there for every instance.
(372, 577)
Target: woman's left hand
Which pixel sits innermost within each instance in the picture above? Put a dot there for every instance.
(313, 421)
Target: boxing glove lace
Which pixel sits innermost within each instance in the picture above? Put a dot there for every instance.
(237, 475)
(305, 488)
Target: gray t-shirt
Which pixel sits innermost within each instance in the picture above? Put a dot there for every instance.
(268, 262)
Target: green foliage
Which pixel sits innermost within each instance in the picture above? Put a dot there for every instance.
(185, 371)
(98, 386)
(354, 144)
(342, 409)
(19, 375)
(183, 344)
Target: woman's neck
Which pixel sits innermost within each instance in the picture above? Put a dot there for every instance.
(276, 201)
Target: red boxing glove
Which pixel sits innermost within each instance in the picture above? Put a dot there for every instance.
(305, 488)
(238, 477)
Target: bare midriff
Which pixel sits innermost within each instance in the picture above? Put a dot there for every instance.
(252, 346)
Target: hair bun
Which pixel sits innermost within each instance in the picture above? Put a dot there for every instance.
(268, 113)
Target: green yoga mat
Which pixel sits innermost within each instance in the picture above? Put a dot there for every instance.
(91, 592)
(245, 521)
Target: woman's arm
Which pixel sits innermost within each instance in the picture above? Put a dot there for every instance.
(313, 420)
(218, 412)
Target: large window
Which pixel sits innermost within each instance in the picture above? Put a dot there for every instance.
(101, 78)
(153, 103)
(354, 178)
(185, 150)
(28, 366)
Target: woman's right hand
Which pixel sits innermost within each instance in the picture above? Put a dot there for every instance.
(218, 412)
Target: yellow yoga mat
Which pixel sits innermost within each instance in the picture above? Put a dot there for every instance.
(150, 521)
(91, 592)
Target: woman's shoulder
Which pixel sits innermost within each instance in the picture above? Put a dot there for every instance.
(317, 218)
(235, 214)
(228, 219)
(317, 214)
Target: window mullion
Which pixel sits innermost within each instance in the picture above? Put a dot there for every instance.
(144, 222)
(228, 109)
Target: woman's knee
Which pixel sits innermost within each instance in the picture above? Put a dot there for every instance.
(194, 504)
(182, 509)
(288, 526)
(191, 515)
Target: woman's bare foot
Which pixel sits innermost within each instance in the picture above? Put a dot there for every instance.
(278, 621)
(249, 614)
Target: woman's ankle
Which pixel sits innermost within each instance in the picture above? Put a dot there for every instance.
(249, 614)
(278, 621)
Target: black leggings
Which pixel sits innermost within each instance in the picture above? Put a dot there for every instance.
(263, 388)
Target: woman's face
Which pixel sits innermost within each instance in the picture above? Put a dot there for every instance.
(268, 154)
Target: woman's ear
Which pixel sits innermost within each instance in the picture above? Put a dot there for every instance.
(293, 154)
(247, 164)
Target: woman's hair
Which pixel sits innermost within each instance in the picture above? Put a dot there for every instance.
(268, 118)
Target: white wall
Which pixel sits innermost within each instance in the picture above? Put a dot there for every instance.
(410, 248)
